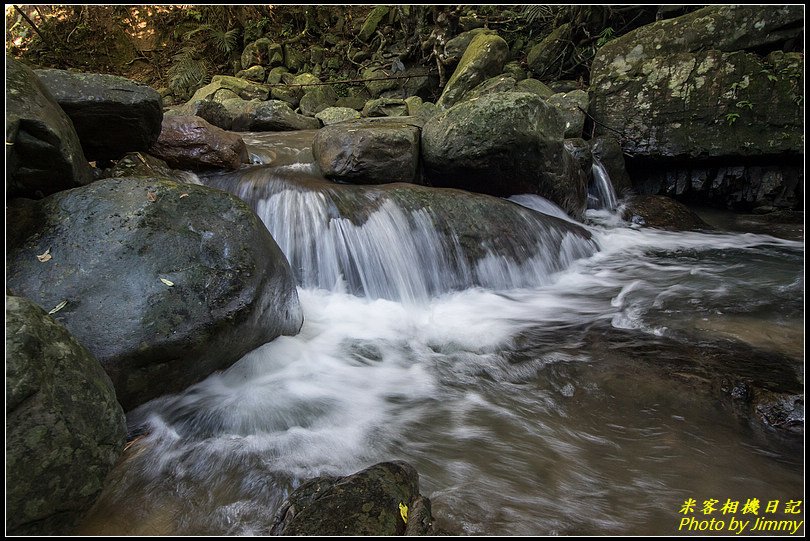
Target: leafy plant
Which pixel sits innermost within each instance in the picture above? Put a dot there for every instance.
(745, 104)
(605, 36)
(207, 47)
(731, 118)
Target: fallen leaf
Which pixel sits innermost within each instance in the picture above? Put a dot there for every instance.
(57, 308)
(182, 195)
(45, 256)
(403, 511)
(167, 282)
(151, 196)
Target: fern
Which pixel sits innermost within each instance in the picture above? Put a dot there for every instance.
(189, 71)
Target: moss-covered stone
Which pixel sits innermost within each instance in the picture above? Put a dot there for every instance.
(317, 99)
(503, 144)
(114, 242)
(262, 52)
(372, 22)
(253, 73)
(454, 48)
(377, 87)
(385, 107)
(140, 164)
(333, 115)
(572, 107)
(535, 87)
(483, 58)
(64, 426)
(499, 83)
(546, 55)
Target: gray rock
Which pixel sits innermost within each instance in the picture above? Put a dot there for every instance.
(572, 107)
(43, 153)
(275, 74)
(372, 21)
(499, 83)
(483, 58)
(385, 107)
(271, 115)
(317, 99)
(253, 73)
(163, 282)
(333, 115)
(224, 87)
(503, 144)
(298, 86)
(374, 501)
(112, 115)
(376, 87)
(514, 70)
(293, 58)
(140, 164)
(64, 426)
(368, 151)
(535, 87)
(192, 143)
(352, 102)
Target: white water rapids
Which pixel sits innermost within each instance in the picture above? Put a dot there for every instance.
(540, 400)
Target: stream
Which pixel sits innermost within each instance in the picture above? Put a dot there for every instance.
(573, 390)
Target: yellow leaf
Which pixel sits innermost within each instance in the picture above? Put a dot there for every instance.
(403, 510)
(167, 282)
(45, 256)
(57, 308)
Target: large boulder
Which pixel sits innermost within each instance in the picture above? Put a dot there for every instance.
(454, 48)
(679, 89)
(333, 115)
(270, 115)
(64, 426)
(368, 152)
(372, 21)
(140, 164)
(43, 153)
(293, 91)
(381, 500)
(112, 115)
(503, 144)
(483, 58)
(163, 282)
(191, 142)
(382, 107)
(572, 107)
(224, 86)
(317, 99)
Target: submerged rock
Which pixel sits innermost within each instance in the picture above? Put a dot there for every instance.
(368, 152)
(381, 500)
(163, 282)
(662, 212)
(503, 144)
(112, 115)
(43, 153)
(191, 142)
(64, 427)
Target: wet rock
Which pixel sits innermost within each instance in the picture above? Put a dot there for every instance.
(372, 22)
(374, 501)
(162, 282)
(503, 144)
(43, 153)
(781, 411)
(377, 87)
(64, 426)
(275, 74)
(544, 57)
(140, 164)
(580, 150)
(112, 115)
(271, 115)
(484, 58)
(262, 52)
(662, 212)
(572, 107)
(298, 86)
(385, 107)
(191, 142)
(333, 115)
(368, 151)
(608, 150)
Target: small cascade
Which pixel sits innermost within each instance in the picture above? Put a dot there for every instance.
(601, 194)
(400, 241)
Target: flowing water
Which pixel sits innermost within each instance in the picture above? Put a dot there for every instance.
(567, 391)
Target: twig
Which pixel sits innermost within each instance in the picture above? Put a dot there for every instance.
(31, 23)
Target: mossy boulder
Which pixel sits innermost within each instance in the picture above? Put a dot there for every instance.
(385, 107)
(535, 87)
(333, 115)
(262, 52)
(499, 83)
(43, 152)
(225, 86)
(454, 48)
(544, 57)
(112, 115)
(372, 22)
(164, 283)
(376, 87)
(297, 87)
(503, 144)
(483, 58)
(64, 427)
(572, 106)
(140, 164)
(253, 73)
(317, 99)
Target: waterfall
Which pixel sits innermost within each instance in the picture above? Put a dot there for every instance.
(401, 241)
(600, 193)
